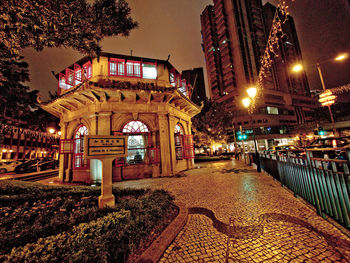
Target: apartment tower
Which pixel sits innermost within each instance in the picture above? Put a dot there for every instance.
(234, 34)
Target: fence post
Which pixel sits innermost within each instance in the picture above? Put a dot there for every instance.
(314, 186)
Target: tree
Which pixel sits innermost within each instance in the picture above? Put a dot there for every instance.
(50, 23)
(59, 23)
(211, 124)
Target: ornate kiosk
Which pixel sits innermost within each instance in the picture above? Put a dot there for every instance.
(143, 98)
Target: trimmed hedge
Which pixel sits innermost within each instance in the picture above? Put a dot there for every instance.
(65, 225)
(96, 241)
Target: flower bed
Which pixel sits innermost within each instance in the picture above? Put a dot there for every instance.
(64, 224)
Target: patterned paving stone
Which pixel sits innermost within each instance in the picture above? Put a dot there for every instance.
(268, 224)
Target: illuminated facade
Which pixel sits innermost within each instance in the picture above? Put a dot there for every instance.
(234, 36)
(21, 143)
(112, 94)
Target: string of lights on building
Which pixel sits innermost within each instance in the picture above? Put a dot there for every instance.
(276, 33)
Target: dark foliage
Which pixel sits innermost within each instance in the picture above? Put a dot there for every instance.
(211, 124)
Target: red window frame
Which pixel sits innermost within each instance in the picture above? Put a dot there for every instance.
(116, 61)
(132, 74)
(69, 77)
(80, 154)
(87, 70)
(179, 146)
(60, 81)
(153, 155)
(183, 87)
(172, 74)
(178, 80)
(78, 72)
(188, 146)
(64, 143)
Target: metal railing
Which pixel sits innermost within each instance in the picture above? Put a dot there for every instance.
(324, 183)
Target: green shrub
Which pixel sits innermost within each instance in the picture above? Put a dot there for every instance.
(96, 241)
(32, 216)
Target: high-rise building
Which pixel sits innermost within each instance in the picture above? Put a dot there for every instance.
(288, 54)
(231, 50)
(195, 77)
(235, 34)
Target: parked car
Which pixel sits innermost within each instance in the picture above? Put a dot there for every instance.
(27, 166)
(331, 142)
(51, 164)
(9, 166)
(34, 165)
(326, 147)
(282, 150)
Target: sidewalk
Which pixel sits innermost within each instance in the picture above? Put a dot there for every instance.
(268, 223)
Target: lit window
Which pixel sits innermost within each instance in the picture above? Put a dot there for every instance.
(133, 69)
(62, 82)
(178, 129)
(272, 110)
(137, 145)
(87, 70)
(135, 127)
(116, 67)
(69, 77)
(149, 71)
(77, 74)
(179, 142)
(172, 78)
(183, 87)
(78, 157)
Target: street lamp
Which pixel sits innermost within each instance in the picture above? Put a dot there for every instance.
(246, 103)
(299, 67)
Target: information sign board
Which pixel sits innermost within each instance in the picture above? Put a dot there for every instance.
(105, 146)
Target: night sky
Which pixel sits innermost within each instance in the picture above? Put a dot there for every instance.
(173, 27)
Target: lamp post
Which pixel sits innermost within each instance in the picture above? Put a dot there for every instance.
(299, 67)
(247, 102)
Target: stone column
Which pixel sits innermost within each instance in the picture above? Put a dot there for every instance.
(164, 145)
(104, 123)
(190, 162)
(172, 123)
(61, 175)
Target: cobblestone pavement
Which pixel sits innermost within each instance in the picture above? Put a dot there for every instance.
(238, 214)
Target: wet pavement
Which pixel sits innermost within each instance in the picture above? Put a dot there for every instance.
(239, 215)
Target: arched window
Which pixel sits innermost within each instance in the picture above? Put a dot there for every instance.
(179, 132)
(137, 141)
(179, 129)
(135, 127)
(78, 160)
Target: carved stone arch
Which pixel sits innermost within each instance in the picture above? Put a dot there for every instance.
(149, 120)
(119, 120)
(73, 126)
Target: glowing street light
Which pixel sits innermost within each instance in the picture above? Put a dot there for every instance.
(297, 68)
(325, 98)
(52, 130)
(246, 103)
(341, 57)
(252, 92)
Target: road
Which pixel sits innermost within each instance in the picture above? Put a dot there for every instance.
(268, 223)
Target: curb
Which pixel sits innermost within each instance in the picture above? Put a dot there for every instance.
(158, 247)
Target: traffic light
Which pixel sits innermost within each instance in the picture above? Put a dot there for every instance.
(322, 132)
(242, 137)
